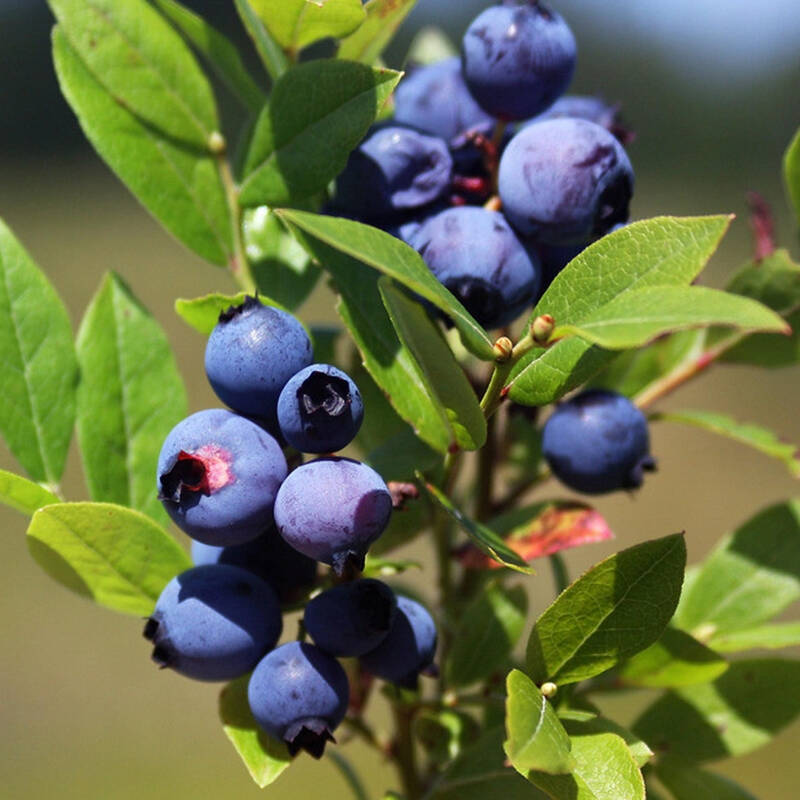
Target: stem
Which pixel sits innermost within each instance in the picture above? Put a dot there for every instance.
(486, 468)
(358, 727)
(405, 756)
(493, 395)
(349, 774)
(240, 265)
(560, 574)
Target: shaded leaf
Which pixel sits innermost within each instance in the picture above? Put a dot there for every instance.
(273, 58)
(444, 734)
(22, 494)
(770, 637)
(791, 173)
(383, 18)
(688, 782)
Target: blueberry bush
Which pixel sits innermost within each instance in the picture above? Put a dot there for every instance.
(503, 323)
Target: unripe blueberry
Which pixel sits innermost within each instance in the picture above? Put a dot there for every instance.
(214, 623)
(320, 409)
(598, 442)
(218, 474)
(299, 695)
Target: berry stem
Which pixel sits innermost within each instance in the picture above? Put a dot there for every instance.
(493, 395)
(239, 264)
(405, 756)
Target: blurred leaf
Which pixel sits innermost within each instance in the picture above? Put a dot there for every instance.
(688, 782)
(143, 64)
(265, 758)
(270, 53)
(444, 734)
(619, 607)
(178, 185)
(451, 397)
(130, 397)
(754, 436)
(348, 772)
(429, 45)
(114, 555)
(221, 53)
(382, 567)
(318, 112)
(40, 371)
(489, 629)
(202, 313)
(770, 637)
(750, 576)
(676, 659)
(394, 258)
(767, 350)
(487, 540)
(791, 173)
(664, 251)
(739, 712)
(22, 494)
(579, 723)
(367, 43)
(404, 525)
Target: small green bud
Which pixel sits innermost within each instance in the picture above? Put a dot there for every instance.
(542, 328)
(549, 689)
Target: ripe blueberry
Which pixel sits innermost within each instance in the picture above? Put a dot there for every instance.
(598, 442)
(320, 409)
(588, 107)
(299, 695)
(218, 474)
(214, 623)
(332, 509)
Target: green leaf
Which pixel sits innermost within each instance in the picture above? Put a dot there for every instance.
(129, 398)
(637, 317)
(383, 18)
(739, 712)
(376, 567)
(451, 397)
(755, 436)
(664, 251)
(22, 494)
(297, 23)
(770, 637)
(444, 734)
(791, 173)
(221, 53)
(117, 556)
(676, 659)
(318, 112)
(490, 627)
(751, 576)
(536, 738)
(273, 58)
(486, 540)
(37, 398)
(619, 607)
(394, 258)
(178, 185)
(431, 44)
(143, 64)
(688, 782)
(265, 758)
(202, 313)
(581, 723)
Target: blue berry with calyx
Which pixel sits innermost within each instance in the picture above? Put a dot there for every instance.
(565, 181)
(598, 442)
(298, 694)
(517, 58)
(332, 509)
(218, 476)
(478, 257)
(214, 623)
(409, 647)
(251, 353)
(320, 409)
(351, 619)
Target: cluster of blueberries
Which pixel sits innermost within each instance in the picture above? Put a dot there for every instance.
(259, 531)
(495, 217)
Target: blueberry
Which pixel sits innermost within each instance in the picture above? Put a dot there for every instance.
(351, 619)
(517, 58)
(565, 181)
(477, 256)
(395, 169)
(214, 623)
(298, 694)
(332, 509)
(587, 107)
(251, 353)
(598, 442)
(409, 647)
(435, 99)
(218, 474)
(268, 556)
(320, 410)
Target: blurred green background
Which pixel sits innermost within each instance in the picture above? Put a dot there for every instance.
(711, 90)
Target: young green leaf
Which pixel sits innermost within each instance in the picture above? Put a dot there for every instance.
(739, 712)
(444, 734)
(581, 723)
(273, 58)
(490, 627)
(181, 187)
(318, 112)
(769, 637)
(202, 313)
(688, 782)
(117, 556)
(22, 494)
(754, 436)
(37, 398)
(367, 42)
(130, 396)
(618, 608)
(265, 758)
(143, 64)
(394, 258)
(791, 173)
(751, 576)
(663, 251)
